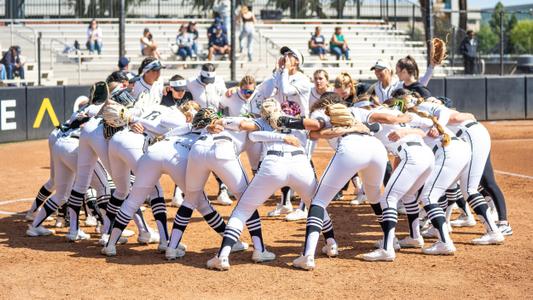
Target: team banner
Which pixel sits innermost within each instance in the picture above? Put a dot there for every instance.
(12, 115)
(45, 110)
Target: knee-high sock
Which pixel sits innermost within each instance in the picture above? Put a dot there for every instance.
(183, 216)
(221, 185)
(461, 203)
(231, 236)
(379, 213)
(101, 203)
(480, 207)
(74, 205)
(120, 223)
(413, 210)
(443, 202)
(437, 218)
(62, 211)
(41, 197)
(49, 207)
(254, 227)
(286, 195)
(159, 210)
(390, 218)
(215, 221)
(140, 222)
(313, 228)
(93, 207)
(113, 207)
(327, 232)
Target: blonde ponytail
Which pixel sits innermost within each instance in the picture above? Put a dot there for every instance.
(446, 139)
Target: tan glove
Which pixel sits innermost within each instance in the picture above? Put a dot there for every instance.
(115, 114)
(438, 51)
(340, 115)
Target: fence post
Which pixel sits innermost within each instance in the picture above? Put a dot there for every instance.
(158, 8)
(452, 50)
(429, 28)
(121, 28)
(358, 9)
(233, 63)
(79, 67)
(501, 43)
(413, 23)
(59, 7)
(39, 58)
(395, 16)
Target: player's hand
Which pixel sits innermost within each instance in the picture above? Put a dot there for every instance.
(396, 136)
(231, 91)
(291, 140)
(288, 62)
(215, 128)
(405, 118)
(137, 128)
(167, 90)
(433, 132)
(281, 62)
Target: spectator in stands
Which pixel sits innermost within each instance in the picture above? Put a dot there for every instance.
(338, 45)
(217, 23)
(468, 49)
(218, 44)
(94, 37)
(247, 20)
(317, 44)
(124, 64)
(185, 41)
(222, 8)
(194, 32)
(13, 63)
(3, 75)
(148, 45)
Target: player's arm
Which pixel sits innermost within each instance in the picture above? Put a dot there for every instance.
(388, 119)
(300, 123)
(269, 136)
(400, 133)
(237, 124)
(328, 133)
(459, 117)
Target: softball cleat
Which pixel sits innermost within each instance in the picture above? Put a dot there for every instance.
(39, 231)
(280, 210)
(78, 236)
(490, 238)
(409, 242)
(218, 263)
(440, 248)
(265, 256)
(331, 250)
(305, 262)
(173, 254)
(380, 255)
(296, 215)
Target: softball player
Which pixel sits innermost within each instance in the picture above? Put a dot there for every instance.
(354, 152)
(284, 163)
(149, 86)
(416, 162)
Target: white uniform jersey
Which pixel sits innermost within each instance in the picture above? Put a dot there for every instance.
(238, 138)
(384, 93)
(314, 96)
(146, 94)
(272, 139)
(186, 140)
(386, 129)
(438, 110)
(158, 120)
(236, 105)
(320, 114)
(293, 90)
(209, 95)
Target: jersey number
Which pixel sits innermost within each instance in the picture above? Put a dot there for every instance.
(153, 115)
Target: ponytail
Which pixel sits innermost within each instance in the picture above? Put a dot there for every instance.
(446, 139)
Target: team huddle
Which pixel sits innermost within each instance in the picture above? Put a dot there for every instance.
(405, 150)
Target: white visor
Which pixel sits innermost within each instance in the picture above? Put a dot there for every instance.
(178, 83)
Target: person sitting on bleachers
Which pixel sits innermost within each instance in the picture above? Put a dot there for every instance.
(94, 38)
(218, 44)
(191, 28)
(338, 45)
(148, 45)
(317, 44)
(213, 28)
(185, 41)
(13, 63)
(3, 75)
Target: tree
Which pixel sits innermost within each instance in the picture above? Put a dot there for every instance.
(522, 37)
(509, 21)
(99, 8)
(488, 40)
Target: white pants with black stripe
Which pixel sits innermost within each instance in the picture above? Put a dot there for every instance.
(416, 164)
(478, 140)
(164, 157)
(450, 161)
(274, 173)
(204, 159)
(125, 150)
(361, 154)
(52, 138)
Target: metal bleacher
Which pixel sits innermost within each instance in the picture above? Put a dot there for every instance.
(368, 40)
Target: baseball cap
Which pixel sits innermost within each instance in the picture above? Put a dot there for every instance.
(123, 62)
(291, 50)
(178, 85)
(381, 65)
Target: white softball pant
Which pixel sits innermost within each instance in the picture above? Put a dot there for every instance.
(450, 161)
(204, 159)
(52, 138)
(125, 150)
(361, 154)
(275, 172)
(417, 161)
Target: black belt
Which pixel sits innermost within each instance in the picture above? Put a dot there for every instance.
(350, 133)
(222, 137)
(460, 132)
(435, 148)
(281, 153)
(409, 144)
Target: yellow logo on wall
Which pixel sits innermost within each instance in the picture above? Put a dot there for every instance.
(46, 106)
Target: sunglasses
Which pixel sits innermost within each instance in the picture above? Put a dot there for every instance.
(247, 91)
(178, 89)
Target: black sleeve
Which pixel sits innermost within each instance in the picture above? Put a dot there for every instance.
(423, 91)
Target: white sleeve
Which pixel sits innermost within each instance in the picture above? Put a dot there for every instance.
(443, 114)
(424, 80)
(265, 136)
(180, 130)
(299, 87)
(320, 115)
(266, 88)
(420, 122)
(173, 119)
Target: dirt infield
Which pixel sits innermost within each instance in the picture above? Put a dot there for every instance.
(49, 267)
